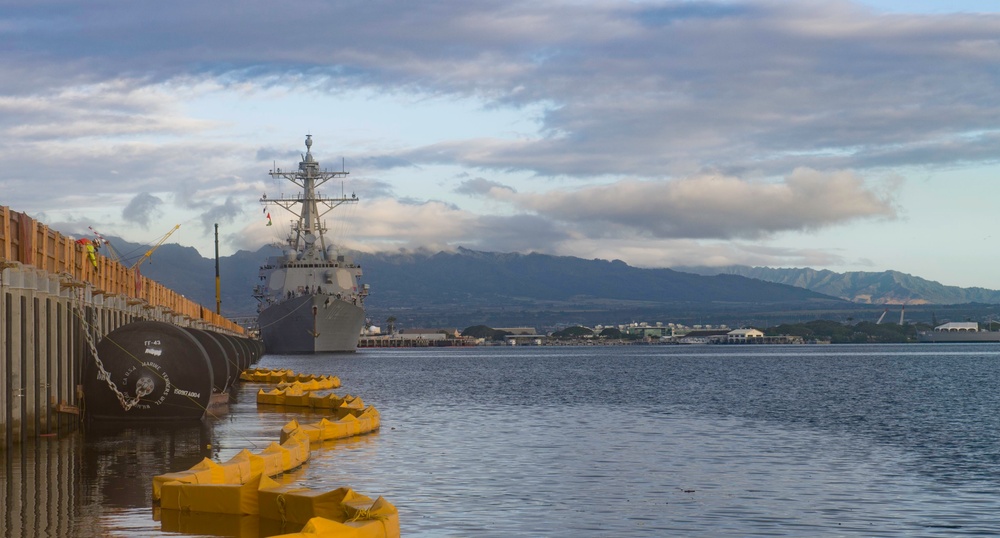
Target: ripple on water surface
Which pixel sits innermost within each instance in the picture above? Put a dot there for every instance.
(643, 441)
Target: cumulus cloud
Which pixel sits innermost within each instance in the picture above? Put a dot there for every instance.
(679, 253)
(390, 224)
(142, 209)
(221, 213)
(713, 206)
(791, 94)
(515, 233)
(631, 87)
(701, 207)
(385, 224)
(702, 220)
(371, 188)
(481, 187)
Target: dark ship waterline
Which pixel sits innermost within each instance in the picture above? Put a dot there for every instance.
(310, 299)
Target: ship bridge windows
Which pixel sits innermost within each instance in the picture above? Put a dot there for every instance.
(310, 265)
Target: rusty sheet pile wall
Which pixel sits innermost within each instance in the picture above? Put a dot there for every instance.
(50, 292)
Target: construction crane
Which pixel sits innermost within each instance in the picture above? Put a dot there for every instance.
(152, 249)
(112, 254)
(144, 257)
(902, 313)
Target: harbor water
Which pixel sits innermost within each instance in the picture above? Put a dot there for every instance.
(852, 440)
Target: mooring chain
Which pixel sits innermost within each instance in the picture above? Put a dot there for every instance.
(103, 374)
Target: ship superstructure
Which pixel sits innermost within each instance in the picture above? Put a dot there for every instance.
(310, 298)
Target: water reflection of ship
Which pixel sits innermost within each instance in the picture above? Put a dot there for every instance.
(310, 298)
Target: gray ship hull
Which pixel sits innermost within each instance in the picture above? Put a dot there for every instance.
(291, 327)
(956, 336)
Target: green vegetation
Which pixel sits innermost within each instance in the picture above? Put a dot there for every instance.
(612, 333)
(482, 331)
(569, 333)
(864, 332)
(573, 332)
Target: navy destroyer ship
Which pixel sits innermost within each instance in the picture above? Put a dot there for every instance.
(310, 298)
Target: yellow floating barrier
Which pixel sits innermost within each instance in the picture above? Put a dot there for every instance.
(271, 397)
(342, 510)
(296, 396)
(332, 401)
(353, 402)
(287, 377)
(215, 498)
(339, 512)
(319, 527)
(247, 464)
(278, 377)
(272, 461)
(350, 422)
(204, 472)
(321, 383)
(264, 375)
(232, 496)
(286, 456)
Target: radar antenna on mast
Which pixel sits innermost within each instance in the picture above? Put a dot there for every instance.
(308, 229)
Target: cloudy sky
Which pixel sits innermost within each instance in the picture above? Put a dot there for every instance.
(845, 135)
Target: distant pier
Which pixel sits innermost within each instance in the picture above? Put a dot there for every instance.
(415, 341)
(51, 292)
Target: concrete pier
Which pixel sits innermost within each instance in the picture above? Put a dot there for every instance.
(51, 292)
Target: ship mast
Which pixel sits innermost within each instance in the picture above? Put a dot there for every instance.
(309, 230)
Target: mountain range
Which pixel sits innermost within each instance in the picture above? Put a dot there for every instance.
(464, 287)
(885, 288)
